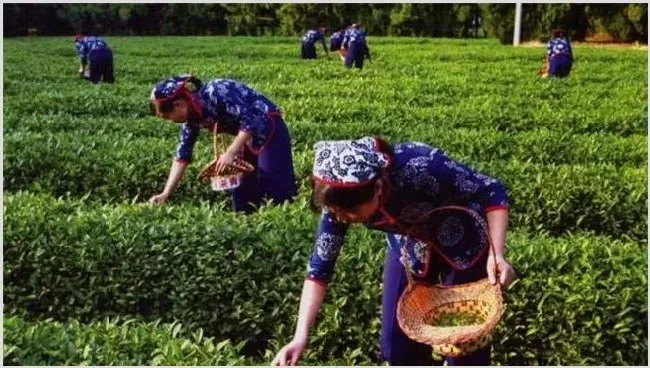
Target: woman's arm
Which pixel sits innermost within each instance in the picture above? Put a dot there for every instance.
(236, 146)
(188, 137)
(175, 175)
(239, 141)
(312, 297)
(498, 225)
(329, 240)
(497, 265)
(313, 294)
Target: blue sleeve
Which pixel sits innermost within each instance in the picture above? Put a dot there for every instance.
(322, 40)
(82, 51)
(253, 120)
(250, 112)
(188, 137)
(465, 184)
(346, 39)
(549, 48)
(329, 240)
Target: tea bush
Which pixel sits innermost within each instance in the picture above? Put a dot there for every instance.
(239, 278)
(92, 275)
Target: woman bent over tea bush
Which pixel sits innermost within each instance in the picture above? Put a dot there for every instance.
(391, 188)
(231, 107)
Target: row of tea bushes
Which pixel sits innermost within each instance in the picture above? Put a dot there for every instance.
(581, 299)
(607, 199)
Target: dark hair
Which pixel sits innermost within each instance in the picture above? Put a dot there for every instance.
(346, 198)
(558, 32)
(196, 82)
(168, 105)
(164, 106)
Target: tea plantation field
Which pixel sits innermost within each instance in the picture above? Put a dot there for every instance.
(93, 275)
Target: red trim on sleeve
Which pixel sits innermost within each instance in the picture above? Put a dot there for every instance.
(318, 281)
(181, 161)
(496, 207)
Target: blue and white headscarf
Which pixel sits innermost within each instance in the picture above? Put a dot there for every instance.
(170, 87)
(176, 86)
(348, 162)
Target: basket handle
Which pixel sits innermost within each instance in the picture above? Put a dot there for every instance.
(407, 266)
(476, 216)
(214, 139)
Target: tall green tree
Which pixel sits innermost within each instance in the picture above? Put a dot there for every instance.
(622, 22)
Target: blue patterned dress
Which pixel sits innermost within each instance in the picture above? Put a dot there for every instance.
(354, 41)
(420, 179)
(237, 107)
(95, 50)
(560, 57)
(308, 48)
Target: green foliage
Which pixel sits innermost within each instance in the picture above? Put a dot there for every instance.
(625, 22)
(499, 19)
(236, 277)
(430, 20)
(296, 18)
(560, 160)
(113, 342)
(581, 299)
(556, 198)
(79, 160)
(458, 319)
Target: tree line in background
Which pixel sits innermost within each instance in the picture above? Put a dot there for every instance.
(616, 22)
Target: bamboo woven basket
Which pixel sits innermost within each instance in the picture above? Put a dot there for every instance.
(422, 304)
(229, 178)
(342, 54)
(543, 71)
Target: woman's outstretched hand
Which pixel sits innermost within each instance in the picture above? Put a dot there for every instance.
(290, 354)
(500, 270)
(225, 159)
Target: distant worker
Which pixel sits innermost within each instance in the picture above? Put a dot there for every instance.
(355, 46)
(96, 59)
(559, 55)
(230, 107)
(309, 42)
(336, 40)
